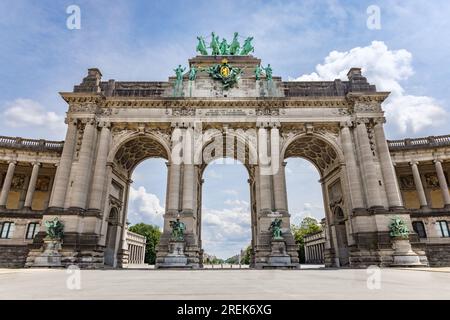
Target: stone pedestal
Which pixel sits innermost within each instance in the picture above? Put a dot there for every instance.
(403, 255)
(51, 256)
(278, 256)
(176, 257)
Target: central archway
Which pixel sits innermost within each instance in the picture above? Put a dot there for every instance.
(226, 224)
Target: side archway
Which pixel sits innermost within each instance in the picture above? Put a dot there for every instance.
(327, 157)
(126, 153)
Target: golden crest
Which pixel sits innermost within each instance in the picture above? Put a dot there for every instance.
(224, 71)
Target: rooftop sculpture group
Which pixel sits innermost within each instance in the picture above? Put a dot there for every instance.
(223, 48)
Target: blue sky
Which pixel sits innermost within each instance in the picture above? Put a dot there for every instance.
(144, 40)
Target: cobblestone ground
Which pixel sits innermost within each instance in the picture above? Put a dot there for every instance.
(226, 284)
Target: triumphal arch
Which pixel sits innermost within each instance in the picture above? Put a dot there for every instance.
(225, 103)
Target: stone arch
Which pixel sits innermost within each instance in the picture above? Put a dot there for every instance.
(129, 149)
(134, 148)
(129, 136)
(320, 150)
(242, 145)
(326, 155)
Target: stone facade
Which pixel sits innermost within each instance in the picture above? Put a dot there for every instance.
(112, 126)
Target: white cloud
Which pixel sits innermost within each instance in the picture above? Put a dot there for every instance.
(145, 207)
(231, 192)
(236, 202)
(386, 69)
(27, 113)
(213, 174)
(225, 232)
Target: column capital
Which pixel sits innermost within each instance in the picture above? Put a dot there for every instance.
(36, 163)
(275, 125)
(262, 124)
(104, 124)
(346, 124)
(414, 162)
(181, 124)
(70, 120)
(379, 121)
(13, 161)
(91, 121)
(362, 121)
(436, 160)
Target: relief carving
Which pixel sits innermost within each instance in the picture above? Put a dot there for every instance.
(43, 183)
(407, 182)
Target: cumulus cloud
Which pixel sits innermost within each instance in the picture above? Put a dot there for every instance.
(27, 113)
(144, 207)
(386, 69)
(225, 232)
(213, 174)
(309, 209)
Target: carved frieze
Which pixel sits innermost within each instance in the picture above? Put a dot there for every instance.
(18, 182)
(43, 183)
(431, 180)
(407, 182)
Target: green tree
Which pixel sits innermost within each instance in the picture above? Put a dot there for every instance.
(246, 258)
(308, 225)
(152, 234)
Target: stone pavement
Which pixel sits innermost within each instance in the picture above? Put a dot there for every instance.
(226, 284)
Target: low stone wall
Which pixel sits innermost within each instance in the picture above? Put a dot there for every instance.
(438, 255)
(13, 256)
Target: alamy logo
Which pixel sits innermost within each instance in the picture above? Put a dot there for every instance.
(261, 147)
(73, 21)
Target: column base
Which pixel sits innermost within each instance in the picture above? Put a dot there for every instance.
(403, 255)
(397, 208)
(377, 208)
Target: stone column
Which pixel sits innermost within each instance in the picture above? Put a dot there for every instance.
(173, 190)
(98, 182)
(279, 188)
(418, 184)
(264, 171)
(188, 171)
(277, 164)
(61, 180)
(387, 168)
(351, 169)
(442, 182)
(368, 167)
(7, 183)
(82, 180)
(32, 185)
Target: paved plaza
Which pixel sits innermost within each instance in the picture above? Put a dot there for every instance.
(226, 284)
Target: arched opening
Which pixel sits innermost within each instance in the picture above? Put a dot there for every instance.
(323, 159)
(227, 218)
(305, 202)
(137, 196)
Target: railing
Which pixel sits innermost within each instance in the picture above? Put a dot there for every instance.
(137, 238)
(31, 144)
(428, 142)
